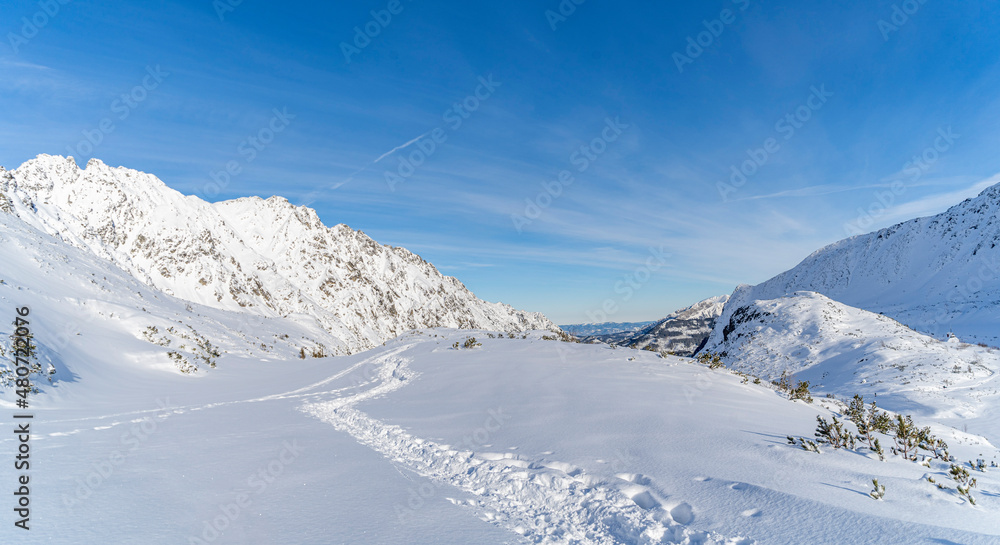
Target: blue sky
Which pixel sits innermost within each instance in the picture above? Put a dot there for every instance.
(515, 89)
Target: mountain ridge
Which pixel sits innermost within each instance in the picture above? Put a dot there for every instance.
(936, 274)
(264, 256)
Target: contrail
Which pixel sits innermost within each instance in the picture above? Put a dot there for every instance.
(397, 148)
(310, 197)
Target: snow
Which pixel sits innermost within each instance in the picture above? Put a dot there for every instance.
(519, 440)
(267, 257)
(845, 351)
(936, 274)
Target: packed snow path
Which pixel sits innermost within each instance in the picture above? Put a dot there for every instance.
(545, 501)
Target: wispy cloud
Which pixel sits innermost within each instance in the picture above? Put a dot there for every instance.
(812, 191)
(935, 204)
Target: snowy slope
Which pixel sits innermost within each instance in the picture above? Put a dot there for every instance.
(936, 274)
(682, 331)
(846, 351)
(266, 257)
(516, 441)
(92, 321)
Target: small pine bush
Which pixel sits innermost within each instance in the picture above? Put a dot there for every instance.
(879, 491)
(806, 444)
(868, 420)
(963, 481)
(905, 436)
(833, 434)
(801, 391)
(713, 361)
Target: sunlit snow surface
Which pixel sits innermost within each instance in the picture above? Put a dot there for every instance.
(519, 440)
(516, 441)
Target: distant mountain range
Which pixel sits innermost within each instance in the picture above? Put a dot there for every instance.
(681, 332)
(606, 328)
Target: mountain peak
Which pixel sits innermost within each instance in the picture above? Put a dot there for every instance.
(265, 256)
(935, 274)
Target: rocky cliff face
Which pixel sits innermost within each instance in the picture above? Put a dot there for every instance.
(262, 256)
(683, 331)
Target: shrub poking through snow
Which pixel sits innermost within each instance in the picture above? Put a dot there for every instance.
(879, 491)
(806, 444)
(470, 342)
(869, 421)
(878, 450)
(905, 436)
(909, 439)
(964, 482)
(801, 391)
(22, 346)
(783, 383)
(834, 434)
(713, 361)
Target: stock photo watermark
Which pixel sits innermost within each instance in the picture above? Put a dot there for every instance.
(123, 106)
(787, 127)
(427, 144)
(914, 169)
(583, 157)
(31, 26)
(417, 497)
(364, 34)
(562, 13)
(901, 14)
(700, 42)
(629, 284)
(103, 469)
(222, 7)
(248, 150)
(259, 481)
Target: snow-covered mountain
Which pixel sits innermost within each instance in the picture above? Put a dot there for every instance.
(682, 331)
(937, 274)
(430, 438)
(95, 324)
(846, 351)
(266, 257)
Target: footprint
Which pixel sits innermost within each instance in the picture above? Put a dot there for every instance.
(641, 497)
(751, 513)
(568, 469)
(682, 513)
(739, 486)
(636, 478)
(702, 479)
(495, 456)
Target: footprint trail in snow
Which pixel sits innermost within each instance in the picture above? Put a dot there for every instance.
(544, 501)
